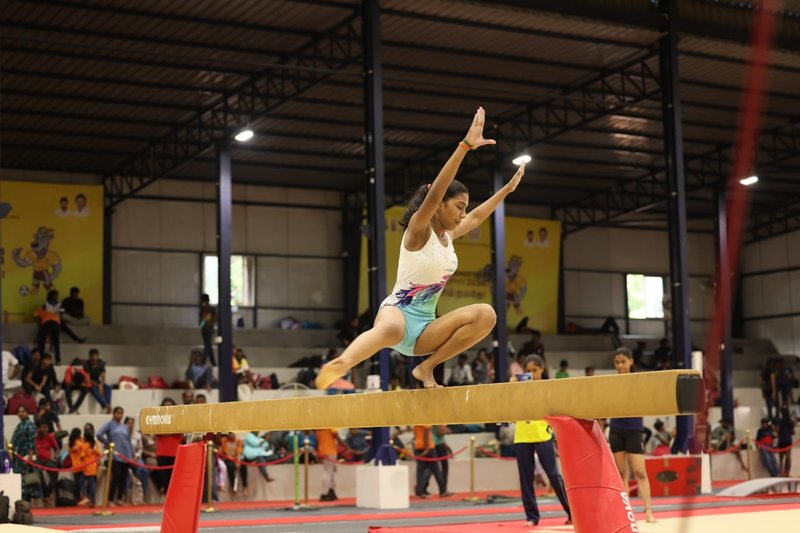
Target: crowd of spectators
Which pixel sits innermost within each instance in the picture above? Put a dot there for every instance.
(39, 397)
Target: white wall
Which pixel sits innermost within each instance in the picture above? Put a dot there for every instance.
(771, 291)
(158, 245)
(597, 259)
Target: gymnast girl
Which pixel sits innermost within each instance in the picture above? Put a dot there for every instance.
(626, 440)
(406, 321)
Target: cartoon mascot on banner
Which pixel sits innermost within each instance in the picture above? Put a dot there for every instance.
(516, 284)
(45, 262)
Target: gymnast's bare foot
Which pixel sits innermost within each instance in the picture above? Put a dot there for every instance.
(329, 373)
(425, 376)
(649, 514)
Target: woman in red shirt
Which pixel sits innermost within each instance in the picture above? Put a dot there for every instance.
(45, 443)
(166, 450)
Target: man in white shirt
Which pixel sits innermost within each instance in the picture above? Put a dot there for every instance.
(11, 371)
(462, 373)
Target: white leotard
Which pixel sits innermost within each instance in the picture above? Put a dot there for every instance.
(423, 274)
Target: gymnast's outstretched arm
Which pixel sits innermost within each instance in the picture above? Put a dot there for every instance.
(476, 217)
(420, 221)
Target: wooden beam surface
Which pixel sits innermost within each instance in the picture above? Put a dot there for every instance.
(663, 393)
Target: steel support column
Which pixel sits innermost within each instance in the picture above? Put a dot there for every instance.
(674, 165)
(724, 268)
(227, 385)
(499, 280)
(351, 246)
(376, 192)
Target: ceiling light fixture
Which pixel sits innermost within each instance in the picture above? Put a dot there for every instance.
(523, 159)
(244, 135)
(749, 181)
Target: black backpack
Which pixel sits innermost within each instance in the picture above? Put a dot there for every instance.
(65, 493)
(5, 508)
(22, 513)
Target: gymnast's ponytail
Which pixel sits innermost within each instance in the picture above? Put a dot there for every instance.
(455, 188)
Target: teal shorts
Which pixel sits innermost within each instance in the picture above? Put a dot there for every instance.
(416, 322)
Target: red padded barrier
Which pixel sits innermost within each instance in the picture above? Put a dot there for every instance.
(182, 504)
(597, 497)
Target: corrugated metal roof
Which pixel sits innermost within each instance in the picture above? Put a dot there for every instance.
(87, 85)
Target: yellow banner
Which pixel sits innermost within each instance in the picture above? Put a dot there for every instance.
(52, 238)
(532, 261)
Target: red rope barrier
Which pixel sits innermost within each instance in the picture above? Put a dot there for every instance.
(733, 449)
(148, 467)
(73, 469)
(494, 455)
(342, 462)
(778, 450)
(246, 463)
(429, 459)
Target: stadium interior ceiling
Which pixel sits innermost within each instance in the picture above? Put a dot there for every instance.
(139, 90)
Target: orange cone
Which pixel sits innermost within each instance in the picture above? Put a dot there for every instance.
(596, 494)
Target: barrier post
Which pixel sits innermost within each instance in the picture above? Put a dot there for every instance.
(471, 497)
(104, 509)
(305, 469)
(749, 456)
(209, 508)
(297, 505)
(296, 462)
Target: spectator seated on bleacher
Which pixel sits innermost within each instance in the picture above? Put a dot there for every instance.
(482, 371)
(96, 368)
(563, 369)
(765, 437)
(31, 362)
(301, 439)
(41, 377)
(256, 449)
(73, 309)
(722, 438)
(357, 445)
(533, 346)
(462, 373)
(76, 379)
(11, 372)
(662, 355)
(199, 373)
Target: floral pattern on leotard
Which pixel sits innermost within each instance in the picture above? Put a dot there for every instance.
(420, 293)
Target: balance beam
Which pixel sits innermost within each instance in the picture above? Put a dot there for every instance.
(670, 392)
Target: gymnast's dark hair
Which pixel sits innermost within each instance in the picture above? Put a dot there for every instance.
(454, 189)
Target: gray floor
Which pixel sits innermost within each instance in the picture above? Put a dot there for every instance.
(360, 526)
